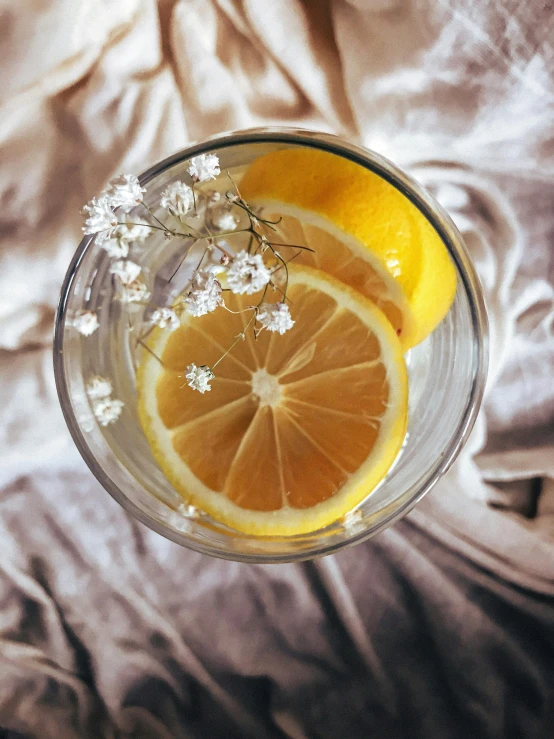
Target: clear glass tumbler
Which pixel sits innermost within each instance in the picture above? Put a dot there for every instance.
(447, 375)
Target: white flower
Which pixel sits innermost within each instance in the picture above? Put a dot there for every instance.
(125, 270)
(99, 216)
(165, 318)
(123, 234)
(275, 317)
(107, 410)
(224, 220)
(204, 167)
(98, 387)
(134, 292)
(86, 322)
(137, 230)
(116, 248)
(204, 295)
(247, 273)
(213, 196)
(189, 511)
(353, 521)
(125, 192)
(178, 198)
(198, 378)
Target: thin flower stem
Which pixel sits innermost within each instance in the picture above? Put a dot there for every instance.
(165, 229)
(244, 205)
(221, 249)
(230, 233)
(240, 337)
(154, 216)
(243, 310)
(280, 258)
(183, 259)
(298, 253)
(206, 250)
(294, 246)
(233, 183)
(276, 287)
(146, 334)
(242, 334)
(145, 346)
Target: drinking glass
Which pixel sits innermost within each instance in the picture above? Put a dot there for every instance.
(446, 373)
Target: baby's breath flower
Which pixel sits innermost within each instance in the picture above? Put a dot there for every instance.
(213, 196)
(204, 295)
(107, 410)
(224, 220)
(353, 521)
(198, 378)
(125, 270)
(204, 167)
(86, 322)
(178, 198)
(98, 387)
(116, 248)
(247, 273)
(165, 318)
(189, 511)
(275, 317)
(125, 192)
(134, 292)
(99, 216)
(137, 230)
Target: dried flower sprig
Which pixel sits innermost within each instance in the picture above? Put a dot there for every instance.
(206, 216)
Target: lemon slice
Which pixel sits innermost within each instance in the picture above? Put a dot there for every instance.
(297, 429)
(364, 231)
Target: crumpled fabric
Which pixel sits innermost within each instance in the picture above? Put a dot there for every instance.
(440, 626)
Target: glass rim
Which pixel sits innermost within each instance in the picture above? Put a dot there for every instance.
(451, 238)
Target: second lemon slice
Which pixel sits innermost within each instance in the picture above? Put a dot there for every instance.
(364, 231)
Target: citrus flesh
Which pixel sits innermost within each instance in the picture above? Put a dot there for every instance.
(364, 231)
(297, 429)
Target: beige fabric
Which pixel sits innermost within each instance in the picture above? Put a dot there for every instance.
(431, 89)
(462, 94)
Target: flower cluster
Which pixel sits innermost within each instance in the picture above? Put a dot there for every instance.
(106, 409)
(86, 322)
(198, 378)
(205, 215)
(165, 318)
(124, 192)
(275, 317)
(247, 273)
(204, 295)
(204, 167)
(178, 199)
